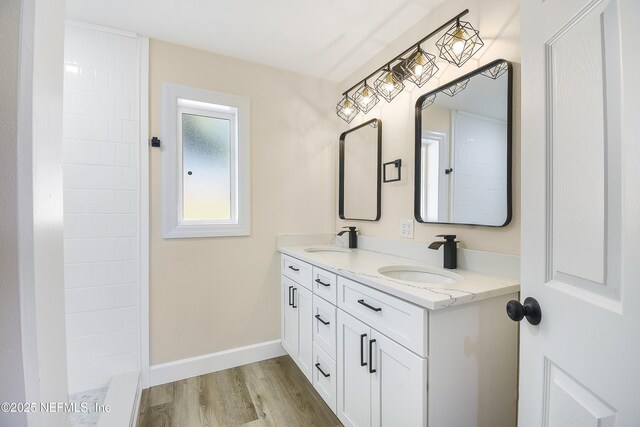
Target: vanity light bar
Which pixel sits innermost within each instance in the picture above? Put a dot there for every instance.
(457, 45)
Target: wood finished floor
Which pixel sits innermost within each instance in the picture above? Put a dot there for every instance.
(271, 393)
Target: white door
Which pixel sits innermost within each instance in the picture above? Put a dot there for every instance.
(399, 388)
(289, 319)
(354, 378)
(303, 303)
(581, 212)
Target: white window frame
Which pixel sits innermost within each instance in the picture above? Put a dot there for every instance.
(181, 99)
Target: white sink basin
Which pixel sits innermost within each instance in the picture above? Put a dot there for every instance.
(417, 274)
(327, 249)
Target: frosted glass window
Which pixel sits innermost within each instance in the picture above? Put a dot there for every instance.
(205, 163)
(206, 168)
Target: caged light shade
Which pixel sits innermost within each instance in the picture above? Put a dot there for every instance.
(428, 101)
(388, 84)
(365, 98)
(459, 43)
(420, 67)
(496, 71)
(346, 109)
(456, 88)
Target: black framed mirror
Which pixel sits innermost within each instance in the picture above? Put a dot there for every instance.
(360, 172)
(463, 149)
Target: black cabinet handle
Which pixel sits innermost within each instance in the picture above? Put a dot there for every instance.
(371, 370)
(322, 283)
(361, 301)
(317, 316)
(362, 350)
(321, 371)
(293, 268)
(294, 298)
(290, 287)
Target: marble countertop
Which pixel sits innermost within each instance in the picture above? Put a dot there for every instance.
(362, 266)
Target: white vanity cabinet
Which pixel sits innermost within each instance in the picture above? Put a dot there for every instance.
(380, 360)
(380, 383)
(297, 320)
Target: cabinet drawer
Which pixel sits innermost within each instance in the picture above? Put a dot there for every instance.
(297, 270)
(324, 284)
(400, 320)
(324, 325)
(324, 376)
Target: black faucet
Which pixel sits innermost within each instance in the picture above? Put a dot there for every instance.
(450, 250)
(353, 237)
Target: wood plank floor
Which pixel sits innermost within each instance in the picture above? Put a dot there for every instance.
(271, 393)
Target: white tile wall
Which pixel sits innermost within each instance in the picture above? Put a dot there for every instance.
(101, 195)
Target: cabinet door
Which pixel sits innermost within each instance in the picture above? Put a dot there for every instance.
(289, 319)
(399, 384)
(303, 301)
(354, 379)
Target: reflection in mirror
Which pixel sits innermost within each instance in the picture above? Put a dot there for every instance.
(463, 150)
(360, 157)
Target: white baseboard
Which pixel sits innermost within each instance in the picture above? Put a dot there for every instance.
(123, 398)
(200, 365)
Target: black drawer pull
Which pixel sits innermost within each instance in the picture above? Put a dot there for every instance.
(290, 287)
(362, 350)
(293, 268)
(317, 316)
(321, 371)
(371, 370)
(294, 298)
(361, 301)
(322, 283)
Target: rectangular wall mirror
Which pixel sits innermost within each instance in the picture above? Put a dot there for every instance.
(463, 150)
(360, 166)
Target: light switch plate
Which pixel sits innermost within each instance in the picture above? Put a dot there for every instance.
(406, 228)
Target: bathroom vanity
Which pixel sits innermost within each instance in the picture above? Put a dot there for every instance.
(391, 341)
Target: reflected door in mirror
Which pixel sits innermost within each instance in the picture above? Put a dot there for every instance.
(463, 150)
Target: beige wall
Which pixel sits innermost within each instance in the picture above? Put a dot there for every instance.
(213, 294)
(499, 24)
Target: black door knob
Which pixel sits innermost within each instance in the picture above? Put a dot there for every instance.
(530, 309)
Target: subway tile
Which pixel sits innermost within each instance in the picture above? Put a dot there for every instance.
(130, 131)
(92, 107)
(122, 107)
(87, 80)
(108, 106)
(70, 126)
(115, 130)
(79, 300)
(74, 151)
(101, 321)
(108, 153)
(75, 200)
(122, 155)
(111, 344)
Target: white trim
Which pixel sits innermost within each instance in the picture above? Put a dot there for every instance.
(172, 227)
(88, 26)
(200, 365)
(143, 306)
(123, 398)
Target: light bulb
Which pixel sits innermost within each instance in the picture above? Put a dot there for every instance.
(418, 69)
(457, 47)
(347, 108)
(388, 85)
(458, 40)
(366, 96)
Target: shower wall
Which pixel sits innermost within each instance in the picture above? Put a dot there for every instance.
(101, 204)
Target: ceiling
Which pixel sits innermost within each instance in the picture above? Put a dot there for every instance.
(328, 39)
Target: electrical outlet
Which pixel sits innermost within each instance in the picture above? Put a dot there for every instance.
(406, 228)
